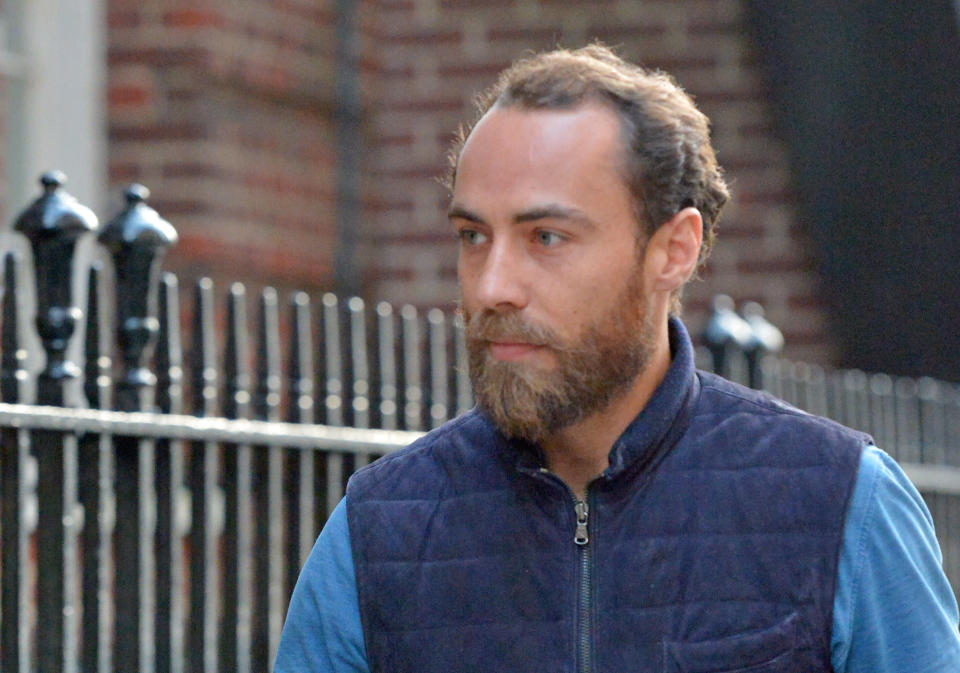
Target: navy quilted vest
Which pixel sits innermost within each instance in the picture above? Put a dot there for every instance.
(712, 543)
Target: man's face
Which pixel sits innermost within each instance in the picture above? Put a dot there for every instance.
(550, 267)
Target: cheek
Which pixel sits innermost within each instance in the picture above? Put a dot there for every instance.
(467, 282)
(596, 296)
(465, 274)
(571, 307)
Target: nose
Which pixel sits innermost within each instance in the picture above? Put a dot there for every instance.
(500, 280)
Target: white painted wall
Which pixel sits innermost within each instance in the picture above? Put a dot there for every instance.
(56, 98)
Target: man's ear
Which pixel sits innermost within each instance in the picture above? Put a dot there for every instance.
(672, 252)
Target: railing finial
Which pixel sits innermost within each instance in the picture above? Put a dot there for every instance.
(53, 224)
(725, 330)
(137, 238)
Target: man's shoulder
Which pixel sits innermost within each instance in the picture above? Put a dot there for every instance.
(739, 406)
(726, 396)
(421, 466)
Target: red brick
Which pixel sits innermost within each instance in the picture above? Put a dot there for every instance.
(533, 34)
(473, 4)
(420, 37)
(312, 11)
(425, 239)
(161, 131)
(736, 230)
(402, 140)
(427, 106)
(387, 205)
(156, 56)
(417, 172)
(123, 172)
(123, 18)
(128, 96)
(171, 207)
(486, 70)
(395, 4)
(631, 34)
(192, 18)
(191, 170)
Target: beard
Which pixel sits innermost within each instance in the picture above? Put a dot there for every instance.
(532, 402)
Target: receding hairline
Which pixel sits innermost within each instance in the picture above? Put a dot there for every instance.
(464, 132)
(622, 154)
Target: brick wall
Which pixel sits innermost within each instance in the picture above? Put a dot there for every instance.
(432, 55)
(224, 110)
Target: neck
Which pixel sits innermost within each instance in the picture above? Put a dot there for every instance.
(580, 452)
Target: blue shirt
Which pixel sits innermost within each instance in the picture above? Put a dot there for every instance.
(894, 610)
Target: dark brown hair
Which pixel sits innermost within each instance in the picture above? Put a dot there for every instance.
(669, 163)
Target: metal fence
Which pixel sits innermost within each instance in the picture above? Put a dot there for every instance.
(160, 494)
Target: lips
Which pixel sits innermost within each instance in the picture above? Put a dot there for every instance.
(507, 337)
(508, 351)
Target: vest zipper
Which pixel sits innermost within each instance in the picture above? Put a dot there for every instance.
(581, 538)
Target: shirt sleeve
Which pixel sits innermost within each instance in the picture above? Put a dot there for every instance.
(894, 610)
(322, 632)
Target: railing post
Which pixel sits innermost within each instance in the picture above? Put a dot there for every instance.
(267, 492)
(203, 631)
(53, 224)
(169, 475)
(765, 338)
(334, 396)
(724, 333)
(236, 548)
(14, 602)
(299, 465)
(96, 492)
(136, 239)
(387, 360)
(13, 372)
(439, 393)
(413, 388)
(360, 372)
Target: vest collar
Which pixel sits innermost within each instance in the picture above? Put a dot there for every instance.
(665, 417)
(656, 428)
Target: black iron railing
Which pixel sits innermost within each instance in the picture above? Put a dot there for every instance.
(159, 495)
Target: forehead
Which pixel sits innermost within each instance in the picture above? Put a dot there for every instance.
(516, 149)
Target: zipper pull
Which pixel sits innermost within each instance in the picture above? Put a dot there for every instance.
(580, 537)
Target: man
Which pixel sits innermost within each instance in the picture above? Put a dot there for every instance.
(606, 507)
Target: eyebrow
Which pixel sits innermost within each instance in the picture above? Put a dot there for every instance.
(546, 211)
(458, 212)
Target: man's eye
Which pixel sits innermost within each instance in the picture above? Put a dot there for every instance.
(471, 237)
(548, 238)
